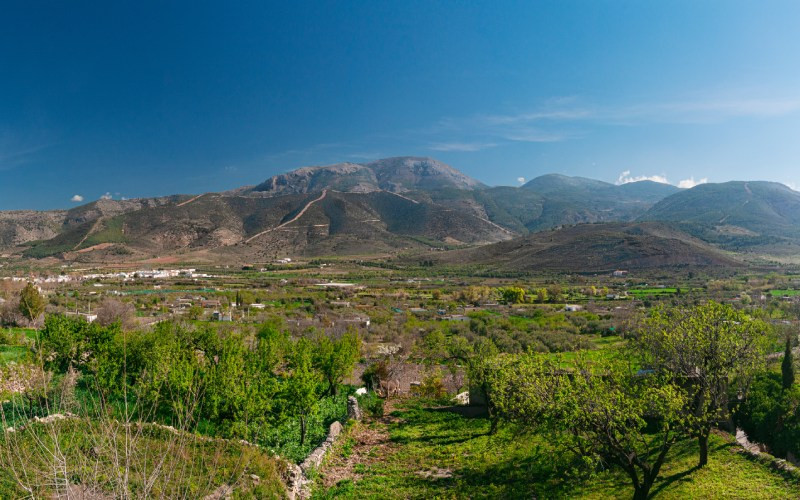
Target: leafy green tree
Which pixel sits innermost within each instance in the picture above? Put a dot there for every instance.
(705, 349)
(66, 342)
(301, 387)
(769, 414)
(31, 303)
(513, 295)
(787, 365)
(604, 413)
(241, 388)
(337, 358)
(195, 312)
(478, 359)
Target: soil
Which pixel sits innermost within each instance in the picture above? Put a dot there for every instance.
(371, 444)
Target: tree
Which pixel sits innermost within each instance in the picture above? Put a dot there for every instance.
(769, 415)
(787, 365)
(31, 304)
(703, 349)
(301, 386)
(513, 295)
(112, 311)
(604, 413)
(336, 358)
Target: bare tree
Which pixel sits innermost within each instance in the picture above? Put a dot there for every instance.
(112, 310)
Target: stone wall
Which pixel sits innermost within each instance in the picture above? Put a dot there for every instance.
(410, 373)
(297, 482)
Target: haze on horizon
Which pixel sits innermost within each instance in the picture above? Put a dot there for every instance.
(146, 99)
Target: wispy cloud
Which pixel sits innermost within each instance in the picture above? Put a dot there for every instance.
(462, 146)
(563, 119)
(16, 151)
(106, 196)
(76, 198)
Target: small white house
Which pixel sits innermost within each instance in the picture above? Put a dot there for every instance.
(572, 308)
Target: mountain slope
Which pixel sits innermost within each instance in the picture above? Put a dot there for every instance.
(596, 247)
(575, 200)
(397, 175)
(738, 215)
(252, 226)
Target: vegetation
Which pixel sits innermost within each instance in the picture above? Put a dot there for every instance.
(704, 350)
(31, 304)
(420, 452)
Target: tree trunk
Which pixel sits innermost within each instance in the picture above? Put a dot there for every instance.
(702, 440)
(493, 418)
(642, 492)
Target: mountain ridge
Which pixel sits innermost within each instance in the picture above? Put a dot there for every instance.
(397, 204)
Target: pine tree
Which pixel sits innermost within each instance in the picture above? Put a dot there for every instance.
(787, 367)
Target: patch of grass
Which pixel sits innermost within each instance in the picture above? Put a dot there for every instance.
(442, 454)
(192, 468)
(12, 353)
(111, 232)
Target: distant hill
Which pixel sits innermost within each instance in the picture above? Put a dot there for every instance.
(596, 247)
(406, 203)
(397, 175)
(742, 216)
(213, 226)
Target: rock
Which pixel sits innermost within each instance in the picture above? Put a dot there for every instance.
(361, 391)
(353, 409)
(462, 398)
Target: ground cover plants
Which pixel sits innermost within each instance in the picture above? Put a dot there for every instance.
(539, 357)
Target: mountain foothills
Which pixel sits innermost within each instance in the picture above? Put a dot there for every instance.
(410, 204)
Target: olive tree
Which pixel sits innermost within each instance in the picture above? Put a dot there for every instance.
(704, 349)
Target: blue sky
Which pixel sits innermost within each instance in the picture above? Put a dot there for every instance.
(133, 99)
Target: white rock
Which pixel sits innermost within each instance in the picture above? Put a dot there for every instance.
(462, 399)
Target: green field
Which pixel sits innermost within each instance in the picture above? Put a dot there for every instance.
(784, 293)
(434, 453)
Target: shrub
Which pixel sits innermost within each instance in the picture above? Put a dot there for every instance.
(371, 404)
(431, 386)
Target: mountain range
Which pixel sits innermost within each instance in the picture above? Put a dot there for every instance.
(409, 204)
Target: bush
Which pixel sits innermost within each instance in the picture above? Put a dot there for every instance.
(431, 386)
(371, 404)
(375, 373)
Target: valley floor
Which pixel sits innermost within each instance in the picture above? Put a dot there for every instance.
(416, 451)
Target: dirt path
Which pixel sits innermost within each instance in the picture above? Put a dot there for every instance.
(189, 200)
(89, 232)
(371, 444)
(303, 211)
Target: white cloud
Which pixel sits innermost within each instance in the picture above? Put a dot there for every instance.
(521, 180)
(625, 177)
(462, 146)
(106, 196)
(77, 198)
(690, 182)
